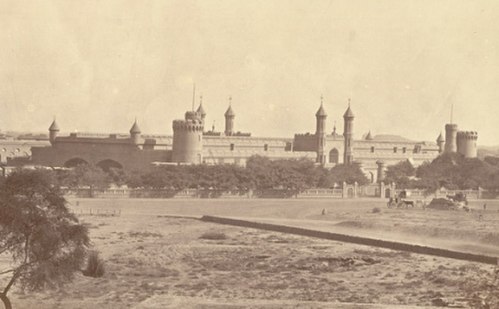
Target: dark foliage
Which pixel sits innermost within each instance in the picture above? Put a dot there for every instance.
(95, 265)
(45, 242)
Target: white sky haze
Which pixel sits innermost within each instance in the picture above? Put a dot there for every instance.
(96, 65)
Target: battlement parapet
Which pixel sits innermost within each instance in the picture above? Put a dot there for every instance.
(191, 115)
(188, 125)
(467, 135)
(304, 134)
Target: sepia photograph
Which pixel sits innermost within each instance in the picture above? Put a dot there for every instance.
(249, 154)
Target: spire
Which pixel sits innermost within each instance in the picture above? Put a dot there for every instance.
(54, 126)
(200, 109)
(321, 112)
(440, 138)
(230, 112)
(451, 112)
(369, 136)
(193, 95)
(348, 113)
(135, 128)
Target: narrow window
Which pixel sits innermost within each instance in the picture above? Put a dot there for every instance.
(394, 149)
(231, 147)
(266, 147)
(372, 149)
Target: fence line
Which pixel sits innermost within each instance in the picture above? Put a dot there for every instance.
(348, 191)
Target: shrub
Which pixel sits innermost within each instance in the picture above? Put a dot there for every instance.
(376, 210)
(213, 236)
(95, 266)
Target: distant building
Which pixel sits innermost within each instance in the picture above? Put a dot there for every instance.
(192, 144)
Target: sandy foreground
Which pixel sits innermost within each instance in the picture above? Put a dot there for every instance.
(156, 261)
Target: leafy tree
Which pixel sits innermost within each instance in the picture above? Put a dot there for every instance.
(291, 174)
(492, 160)
(261, 171)
(400, 174)
(133, 179)
(86, 175)
(45, 242)
(348, 173)
(454, 171)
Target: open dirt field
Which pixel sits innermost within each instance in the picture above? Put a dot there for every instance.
(156, 261)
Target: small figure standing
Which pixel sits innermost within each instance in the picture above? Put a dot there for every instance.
(485, 206)
(324, 211)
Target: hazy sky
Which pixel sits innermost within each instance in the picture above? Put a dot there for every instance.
(96, 65)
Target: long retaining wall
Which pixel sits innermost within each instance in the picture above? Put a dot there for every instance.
(357, 240)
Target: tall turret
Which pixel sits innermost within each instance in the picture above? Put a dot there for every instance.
(320, 133)
(135, 133)
(348, 134)
(440, 143)
(188, 139)
(450, 138)
(53, 131)
(200, 109)
(229, 119)
(466, 143)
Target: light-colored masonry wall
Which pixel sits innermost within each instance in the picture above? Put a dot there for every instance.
(237, 149)
(367, 152)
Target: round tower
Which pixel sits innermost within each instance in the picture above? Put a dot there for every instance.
(229, 120)
(440, 143)
(53, 132)
(466, 143)
(135, 133)
(348, 134)
(188, 139)
(450, 138)
(320, 133)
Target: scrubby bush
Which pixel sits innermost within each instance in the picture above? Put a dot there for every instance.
(376, 210)
(213, 236)
(95, 266)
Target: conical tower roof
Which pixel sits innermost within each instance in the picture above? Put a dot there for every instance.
(229, 112)
(54, 126)
(321, 112)
(369, 137)
(135, 128)
(440, 138)
(348, 113)
(200, 110)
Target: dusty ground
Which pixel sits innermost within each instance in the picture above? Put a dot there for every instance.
(155, 261)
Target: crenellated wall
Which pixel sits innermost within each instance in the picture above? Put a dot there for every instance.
(467, 143)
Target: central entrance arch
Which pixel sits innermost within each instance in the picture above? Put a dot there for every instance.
(333, 156)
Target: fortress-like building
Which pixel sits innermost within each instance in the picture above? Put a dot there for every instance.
(191, 143)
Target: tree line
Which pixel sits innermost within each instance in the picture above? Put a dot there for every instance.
(260, 173)
(452, 171)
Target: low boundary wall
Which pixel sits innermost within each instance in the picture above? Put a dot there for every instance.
(357, 240)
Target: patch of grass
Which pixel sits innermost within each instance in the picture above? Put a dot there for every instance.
(213, 236)
(95, 266)
(144, 234)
